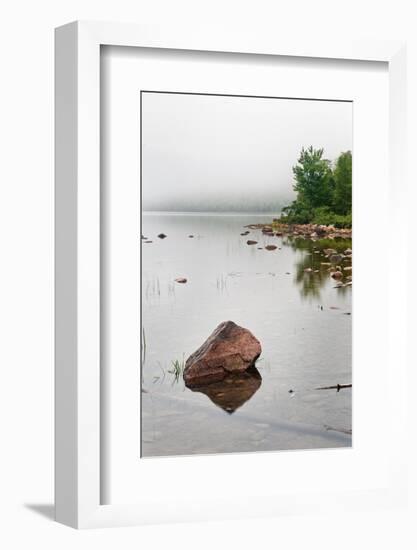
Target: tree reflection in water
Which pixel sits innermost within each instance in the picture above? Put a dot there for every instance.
(312, 264)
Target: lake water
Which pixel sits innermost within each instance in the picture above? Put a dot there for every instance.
(301, 319)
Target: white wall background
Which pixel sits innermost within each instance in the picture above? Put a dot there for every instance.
(26, 273)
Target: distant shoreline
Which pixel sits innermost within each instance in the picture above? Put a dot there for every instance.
(267, 215)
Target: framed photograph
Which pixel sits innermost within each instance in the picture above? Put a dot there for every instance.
(216, 357)
(256, 243)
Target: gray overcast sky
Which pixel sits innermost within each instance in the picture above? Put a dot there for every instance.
(212, 153)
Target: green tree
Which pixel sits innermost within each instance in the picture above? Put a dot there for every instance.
(313, 179)
(342, 173)
(324, 194)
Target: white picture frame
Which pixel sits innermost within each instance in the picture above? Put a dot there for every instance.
(77, 242)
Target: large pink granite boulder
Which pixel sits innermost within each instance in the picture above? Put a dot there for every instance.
(229, 349)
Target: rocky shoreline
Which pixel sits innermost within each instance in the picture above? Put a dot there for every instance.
(308, 230)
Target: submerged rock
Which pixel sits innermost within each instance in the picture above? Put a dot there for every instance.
(162, 236)
(335, 258)
(234, 390)
(230, 349)
(270, 247)
(251, 242)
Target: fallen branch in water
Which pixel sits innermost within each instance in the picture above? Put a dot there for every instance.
(338, 387)
(341, 430)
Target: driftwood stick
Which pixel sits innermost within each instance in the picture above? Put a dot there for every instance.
(338, 387)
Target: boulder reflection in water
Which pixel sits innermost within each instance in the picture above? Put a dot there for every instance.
(233, 391)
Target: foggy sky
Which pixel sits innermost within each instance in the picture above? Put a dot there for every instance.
(211, 153)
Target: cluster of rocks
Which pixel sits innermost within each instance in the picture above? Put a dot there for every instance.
(336, 266)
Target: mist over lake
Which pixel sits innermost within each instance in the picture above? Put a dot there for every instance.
(231, 154)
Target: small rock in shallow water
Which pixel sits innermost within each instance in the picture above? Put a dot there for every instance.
(245, 233)
(191, 236)
(337, 274)
(162, 236)
(147, 242)
(335, 258)
(251, 242)
(181, 280)
(270, 247)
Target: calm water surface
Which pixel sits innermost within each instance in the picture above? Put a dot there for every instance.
(302, 321)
